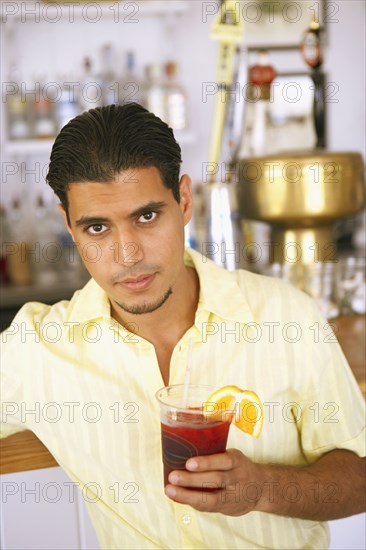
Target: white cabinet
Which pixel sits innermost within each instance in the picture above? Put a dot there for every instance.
(43, 510)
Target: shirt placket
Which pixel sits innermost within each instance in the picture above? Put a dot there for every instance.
(188, 526)
(180, 356)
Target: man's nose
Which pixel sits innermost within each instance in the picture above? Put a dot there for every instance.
(127, 251)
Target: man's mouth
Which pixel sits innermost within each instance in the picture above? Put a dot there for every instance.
(138, 283)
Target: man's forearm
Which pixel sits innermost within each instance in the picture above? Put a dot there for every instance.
(331, 488)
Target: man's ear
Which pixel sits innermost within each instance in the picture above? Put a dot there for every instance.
(64, 214)
(186, 203)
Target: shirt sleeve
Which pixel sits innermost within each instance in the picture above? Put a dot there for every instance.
(334, 412)
(17, 351)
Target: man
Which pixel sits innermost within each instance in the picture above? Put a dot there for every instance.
(126, 334)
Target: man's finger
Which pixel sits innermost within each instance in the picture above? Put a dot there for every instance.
(200, 500)
(205, 480)
(221, 461)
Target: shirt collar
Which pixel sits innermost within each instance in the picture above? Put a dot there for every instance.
(220, 295)
(89, 304)
(220, 292)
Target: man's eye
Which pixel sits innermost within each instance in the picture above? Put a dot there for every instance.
(148, 217)
(96, 229)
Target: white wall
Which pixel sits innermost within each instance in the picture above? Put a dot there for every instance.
(346, 66)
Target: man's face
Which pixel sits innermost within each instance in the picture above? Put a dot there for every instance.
(130, 235)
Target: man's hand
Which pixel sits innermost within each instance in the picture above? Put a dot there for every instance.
(333, 487)
(227, 481)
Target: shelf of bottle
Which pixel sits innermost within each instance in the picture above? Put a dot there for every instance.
(44, 146)
(120, 11)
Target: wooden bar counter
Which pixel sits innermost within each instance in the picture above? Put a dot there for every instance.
(24, 451)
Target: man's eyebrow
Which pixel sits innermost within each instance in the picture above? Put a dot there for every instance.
(90, 220)
(151, 206)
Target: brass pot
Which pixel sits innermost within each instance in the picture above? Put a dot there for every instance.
(301, 195)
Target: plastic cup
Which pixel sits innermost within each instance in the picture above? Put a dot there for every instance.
(185, 430)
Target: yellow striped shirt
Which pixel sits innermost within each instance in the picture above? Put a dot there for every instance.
(85, 386)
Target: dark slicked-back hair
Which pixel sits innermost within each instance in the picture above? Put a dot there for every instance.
(98, 144)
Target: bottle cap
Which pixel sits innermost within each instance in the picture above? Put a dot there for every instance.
(171, 68)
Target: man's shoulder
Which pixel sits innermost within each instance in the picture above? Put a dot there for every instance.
(38, 313)
(250, 279)
(245, 279)
(243, 290)
(252, 284)
(274, 295)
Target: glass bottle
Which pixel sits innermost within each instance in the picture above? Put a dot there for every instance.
(261, 76)
(175, 99)
(311, 51)
(16, 110)
(310, 48)
(44, 125)
(18, 257)
(155, 91)
(131, 87)
(48, 250)
(108, 77)
(91, 93)
(66, 107)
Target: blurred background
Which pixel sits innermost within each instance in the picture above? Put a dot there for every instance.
(275, 85)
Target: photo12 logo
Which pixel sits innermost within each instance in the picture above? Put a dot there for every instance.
(52, 492)
(70, 12)
(268, 11)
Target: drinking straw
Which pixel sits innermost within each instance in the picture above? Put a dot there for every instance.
(188, 374)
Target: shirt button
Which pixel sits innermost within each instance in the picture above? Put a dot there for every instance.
(186, 519)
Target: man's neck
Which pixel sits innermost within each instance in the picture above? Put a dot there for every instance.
(172, 319)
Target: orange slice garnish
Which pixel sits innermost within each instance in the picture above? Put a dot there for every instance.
(242, 407)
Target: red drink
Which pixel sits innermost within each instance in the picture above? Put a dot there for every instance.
(190, 434)
(185, 430)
